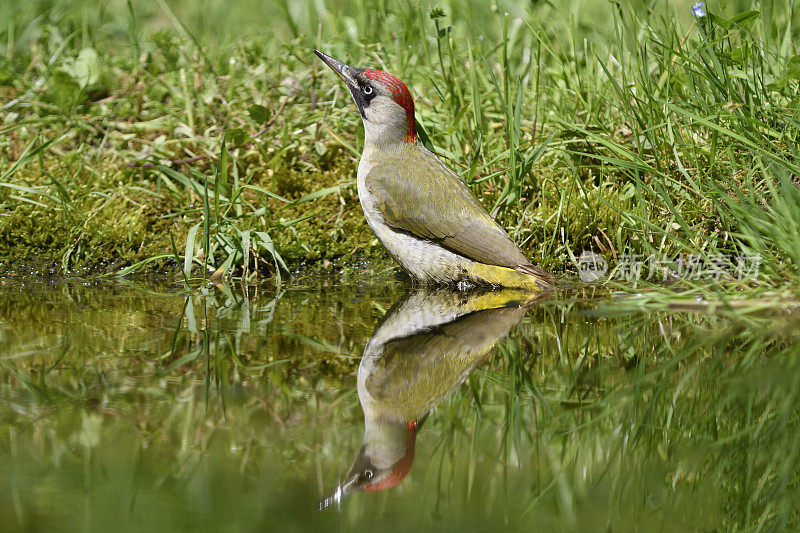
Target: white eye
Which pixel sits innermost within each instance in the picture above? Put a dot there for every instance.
(368, 473)
(366, 90)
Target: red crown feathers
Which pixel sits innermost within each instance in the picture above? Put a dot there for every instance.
(400, 94)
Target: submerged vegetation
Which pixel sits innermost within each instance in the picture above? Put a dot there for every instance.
(205, 136)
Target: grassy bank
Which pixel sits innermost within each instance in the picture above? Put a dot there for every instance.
(183, 134)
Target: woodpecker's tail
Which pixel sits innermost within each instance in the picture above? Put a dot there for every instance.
(538, 273)
(527, 277)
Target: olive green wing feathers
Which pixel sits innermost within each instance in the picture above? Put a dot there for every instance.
(433, 203)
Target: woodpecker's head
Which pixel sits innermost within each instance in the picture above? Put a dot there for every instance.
(383, 100)
(383, 461)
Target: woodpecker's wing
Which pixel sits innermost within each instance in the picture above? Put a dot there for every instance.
(428, 200)
(413, 374)
(406, 372)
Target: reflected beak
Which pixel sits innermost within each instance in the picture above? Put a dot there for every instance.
(345, 72)
(348, 487)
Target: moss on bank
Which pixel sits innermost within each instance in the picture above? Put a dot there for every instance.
(115, 224)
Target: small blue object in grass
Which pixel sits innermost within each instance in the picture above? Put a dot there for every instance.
(699, 9)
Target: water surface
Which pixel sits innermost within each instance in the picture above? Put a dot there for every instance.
(371, 407)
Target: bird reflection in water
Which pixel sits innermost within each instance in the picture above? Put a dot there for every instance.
(422, 350)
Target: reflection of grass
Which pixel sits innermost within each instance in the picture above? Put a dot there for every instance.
(652, 419)
(621, 127)
(657, 412)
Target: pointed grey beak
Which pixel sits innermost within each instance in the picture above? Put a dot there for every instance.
(345, 72)
(348, 487)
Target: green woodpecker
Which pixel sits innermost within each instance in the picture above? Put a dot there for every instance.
(423, 349)
(420, 210)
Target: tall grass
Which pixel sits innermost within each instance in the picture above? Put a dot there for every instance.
(628, 128)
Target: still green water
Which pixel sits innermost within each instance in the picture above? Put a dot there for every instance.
(142, 407)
